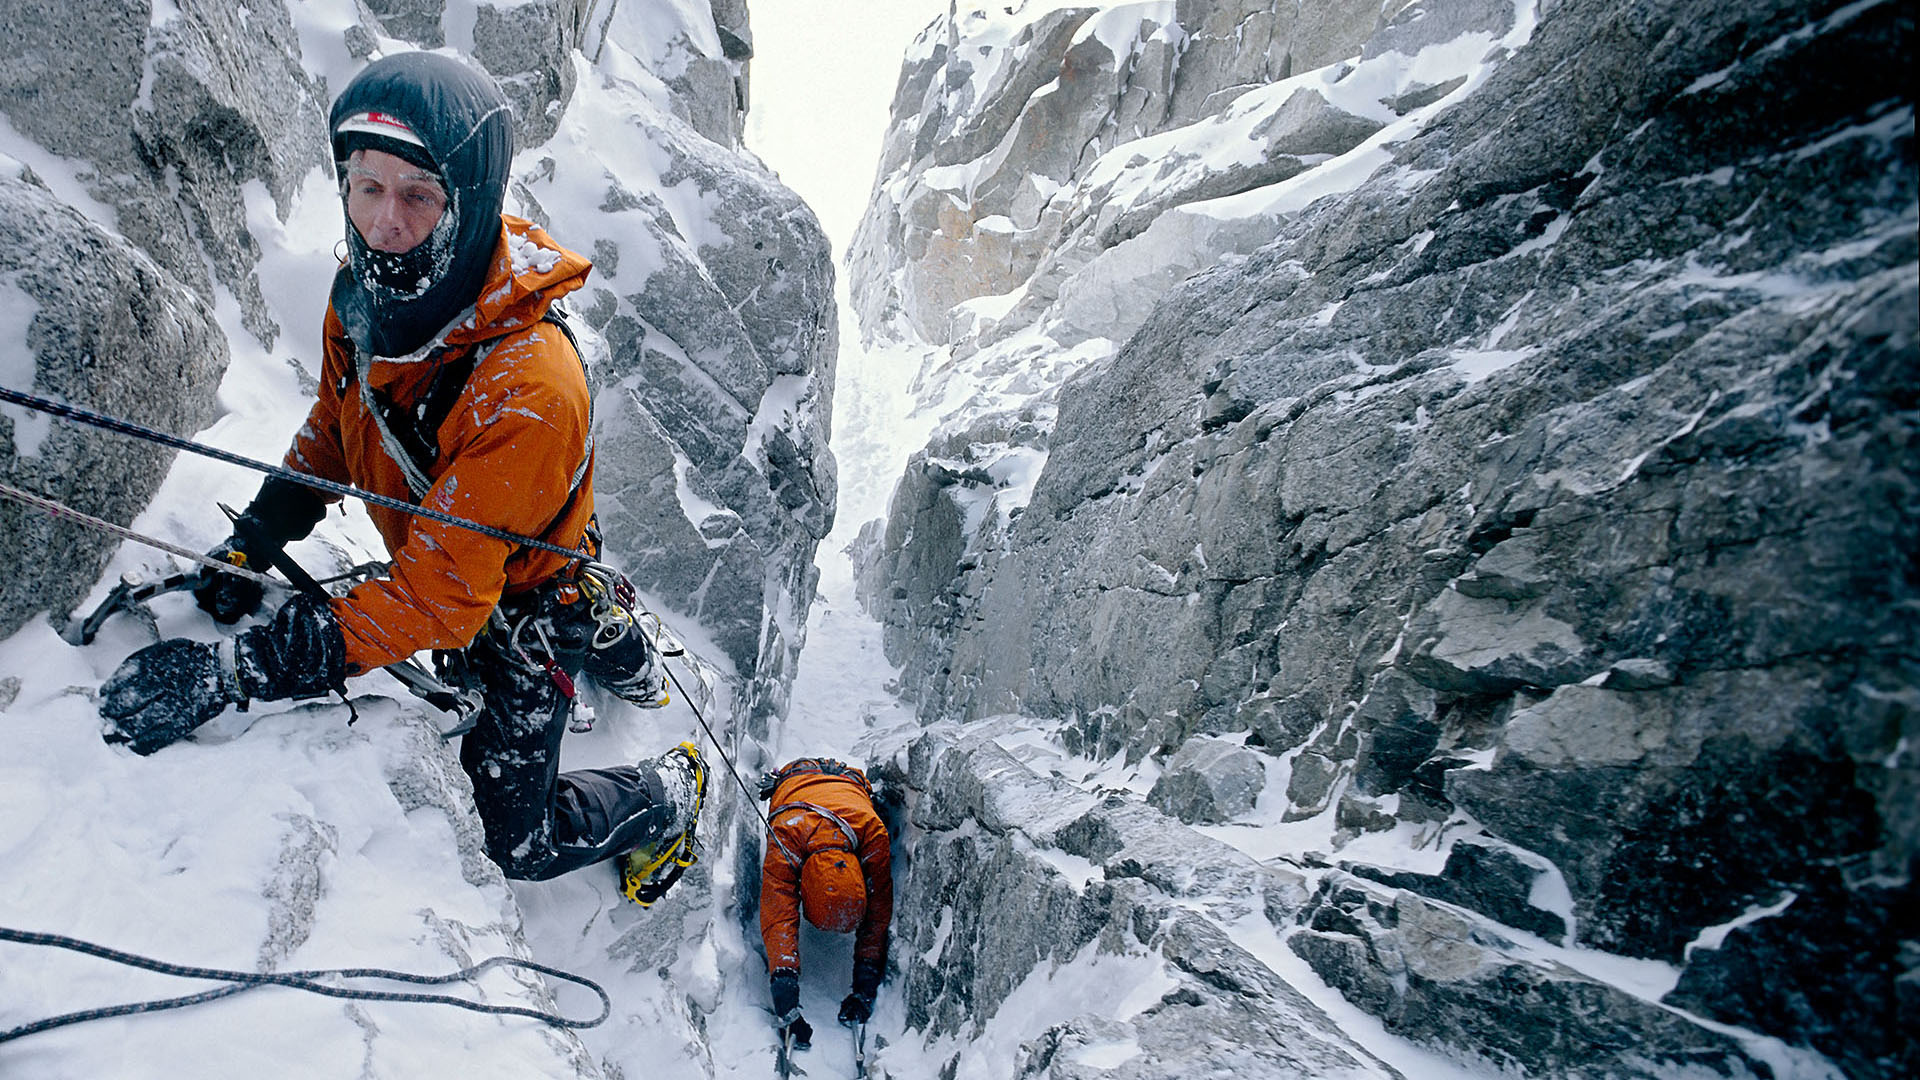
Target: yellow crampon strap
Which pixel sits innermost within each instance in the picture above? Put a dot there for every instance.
(646, 883)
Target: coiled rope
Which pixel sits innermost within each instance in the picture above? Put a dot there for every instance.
(314, 982)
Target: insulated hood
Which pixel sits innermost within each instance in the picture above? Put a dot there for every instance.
(466, 126)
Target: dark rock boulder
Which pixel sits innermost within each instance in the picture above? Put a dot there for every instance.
(105, 328)
(1210, 780)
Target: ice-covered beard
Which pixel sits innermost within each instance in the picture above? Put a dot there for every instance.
(405, 275)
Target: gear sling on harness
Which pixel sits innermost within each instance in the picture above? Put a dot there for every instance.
(410, 437)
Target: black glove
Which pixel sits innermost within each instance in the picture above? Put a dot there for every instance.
(280, 512)
(855, 1009)
(866, 978)
(163, 692)
(230, 597)
(786, 1008)
(858, 1006)
(299, 653)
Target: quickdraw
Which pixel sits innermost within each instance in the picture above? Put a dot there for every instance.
(616, 606)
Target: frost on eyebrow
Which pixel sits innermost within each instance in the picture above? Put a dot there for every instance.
(355, 168)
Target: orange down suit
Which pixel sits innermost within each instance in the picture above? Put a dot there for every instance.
(508, 454)
(797, 830)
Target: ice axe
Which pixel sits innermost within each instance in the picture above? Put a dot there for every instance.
(464, 705)
(787, 1068)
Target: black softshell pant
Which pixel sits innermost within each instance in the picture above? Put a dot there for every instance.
(541, 822)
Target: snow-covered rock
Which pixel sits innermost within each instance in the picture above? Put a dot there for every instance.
(1210, 780)
(1091, 929)
(71, 294)
(1541, 478)
(170, 216)
(157, 120)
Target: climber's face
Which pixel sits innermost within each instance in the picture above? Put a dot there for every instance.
(392, 202)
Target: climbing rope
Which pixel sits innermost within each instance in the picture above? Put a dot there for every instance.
(718, 749)
(126, 427)
(310, 981)
(58, 509)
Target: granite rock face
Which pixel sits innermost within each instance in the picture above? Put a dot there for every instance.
(993, 180)
(713, 300)
(1446, 977)
(1014, 876)
(1539, 479)
(167, 117)
(103, 327)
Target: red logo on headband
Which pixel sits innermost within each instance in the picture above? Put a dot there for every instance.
(390, 121)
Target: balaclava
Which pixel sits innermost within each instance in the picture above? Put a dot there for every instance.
(451, 120)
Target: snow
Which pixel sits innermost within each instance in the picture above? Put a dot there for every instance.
(1476, 364)
(1119, 27)
(1715, 936)
(61, 176)
(17, 310)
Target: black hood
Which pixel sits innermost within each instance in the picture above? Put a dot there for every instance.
(467, 126)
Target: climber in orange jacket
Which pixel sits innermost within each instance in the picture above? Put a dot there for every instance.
(827, 858)
(448, 381)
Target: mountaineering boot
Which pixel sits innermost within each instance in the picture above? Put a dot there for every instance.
(633, 674)
(648, 871)
(626, 657)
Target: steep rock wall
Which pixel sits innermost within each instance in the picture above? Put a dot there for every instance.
(131, 215)
(1547, 484)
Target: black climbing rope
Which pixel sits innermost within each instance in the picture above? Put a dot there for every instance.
(127, 427)
(313, 982)
(717, 747)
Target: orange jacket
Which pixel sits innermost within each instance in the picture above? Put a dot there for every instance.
(508, 453)
(798, 831)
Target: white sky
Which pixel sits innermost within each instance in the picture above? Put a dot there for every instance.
(823, 73)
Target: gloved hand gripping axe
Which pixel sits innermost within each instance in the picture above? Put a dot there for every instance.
(463, 704)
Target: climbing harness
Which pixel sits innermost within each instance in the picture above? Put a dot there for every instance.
(410, 436)
(846, 830)
(647, 873)
(323, 982)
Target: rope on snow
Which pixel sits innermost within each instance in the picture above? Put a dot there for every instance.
(310, 981)
(62, 510)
